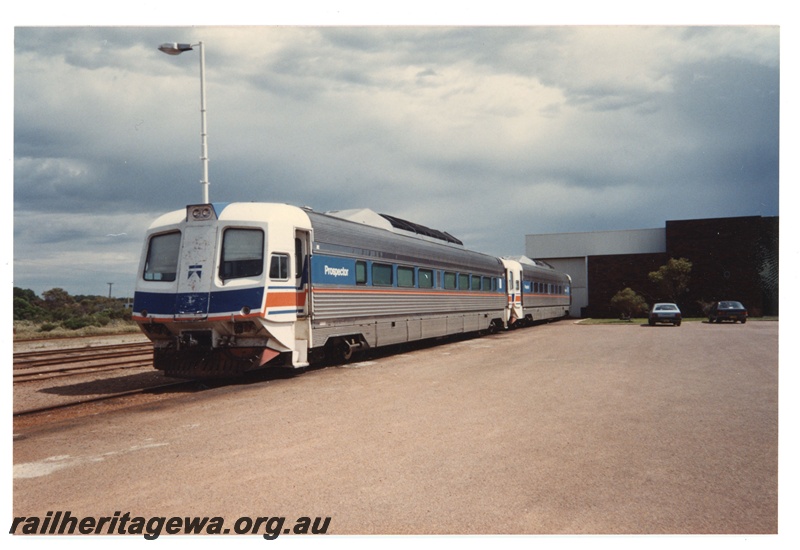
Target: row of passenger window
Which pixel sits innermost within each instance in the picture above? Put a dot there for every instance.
(545, 288)
(412, 277)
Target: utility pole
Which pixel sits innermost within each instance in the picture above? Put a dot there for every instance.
(109, 289)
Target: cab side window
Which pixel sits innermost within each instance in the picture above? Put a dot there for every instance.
(279, 267)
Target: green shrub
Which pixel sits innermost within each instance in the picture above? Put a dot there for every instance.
(75, 323)
(629, 303)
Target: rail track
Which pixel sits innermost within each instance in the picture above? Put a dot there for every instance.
(45, 364)
(104, 385)
(100, 360)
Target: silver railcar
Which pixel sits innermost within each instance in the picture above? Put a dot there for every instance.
(226, 288)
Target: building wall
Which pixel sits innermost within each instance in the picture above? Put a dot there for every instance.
(576, 269)
(610, 274)
(732, 258)
(570, 253)
(597, 243)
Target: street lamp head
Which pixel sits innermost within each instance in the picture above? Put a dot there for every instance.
(173, 48)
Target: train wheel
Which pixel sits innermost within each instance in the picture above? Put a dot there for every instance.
(345, 351)
(341, 351)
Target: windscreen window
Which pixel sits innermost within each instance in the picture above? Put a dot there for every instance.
(242, 253)
(162, 257)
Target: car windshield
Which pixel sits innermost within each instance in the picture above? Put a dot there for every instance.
(666, 307)
(730, 305)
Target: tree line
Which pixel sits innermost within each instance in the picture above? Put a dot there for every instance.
(57, 308)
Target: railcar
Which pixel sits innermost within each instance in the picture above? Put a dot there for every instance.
(544, 293)
(225, 288)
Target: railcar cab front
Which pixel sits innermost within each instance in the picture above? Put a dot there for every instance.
(227, 278)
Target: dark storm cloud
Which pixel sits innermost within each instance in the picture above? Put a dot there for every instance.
(486, 132)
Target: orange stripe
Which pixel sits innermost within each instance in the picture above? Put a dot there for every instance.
(286, 299)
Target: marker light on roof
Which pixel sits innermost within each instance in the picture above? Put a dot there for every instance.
(201, 212)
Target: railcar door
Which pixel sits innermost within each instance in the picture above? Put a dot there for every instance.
(302, 246)
(513, 291)
(196, 270)
(302, 276)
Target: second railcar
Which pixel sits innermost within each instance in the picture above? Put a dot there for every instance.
(546, 293)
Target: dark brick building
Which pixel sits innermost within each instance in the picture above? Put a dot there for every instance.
(732, 258)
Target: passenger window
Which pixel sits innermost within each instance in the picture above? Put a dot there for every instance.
(361, 273)
(279, 267)
(242, 253)
(382, 275)
(463, 281)
(487, 284)
(425, 278)
(162, 257)
(449, 280)
(476, 282)
(405, 277)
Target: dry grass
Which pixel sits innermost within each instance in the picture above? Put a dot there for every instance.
(27, 330)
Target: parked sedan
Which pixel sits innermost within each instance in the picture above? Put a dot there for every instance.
(665, 313)
(727, 311)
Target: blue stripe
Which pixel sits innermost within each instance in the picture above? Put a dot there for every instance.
(224, 301)
(285, 312)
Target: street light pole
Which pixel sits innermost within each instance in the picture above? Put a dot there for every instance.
(173, 48)
(203, 129)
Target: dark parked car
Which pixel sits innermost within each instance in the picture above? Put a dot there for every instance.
(665, 313)
(727, 311)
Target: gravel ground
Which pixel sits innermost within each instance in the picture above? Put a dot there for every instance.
(557, 429)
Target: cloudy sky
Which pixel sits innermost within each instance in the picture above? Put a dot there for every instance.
(487, 132)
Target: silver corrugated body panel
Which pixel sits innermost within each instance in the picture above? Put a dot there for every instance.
(395, 330)
(533, 300)
(543, 312)
(332, 303)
